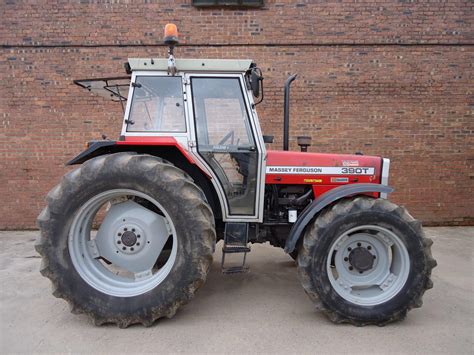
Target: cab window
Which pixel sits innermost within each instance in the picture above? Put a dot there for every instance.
(157, 105)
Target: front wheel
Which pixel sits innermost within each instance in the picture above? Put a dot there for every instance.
(365, 261)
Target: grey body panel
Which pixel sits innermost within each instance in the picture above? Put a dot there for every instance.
(324, 200)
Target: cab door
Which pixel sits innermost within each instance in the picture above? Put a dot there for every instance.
(229, 142)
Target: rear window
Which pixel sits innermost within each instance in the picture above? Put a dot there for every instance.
(157, 105)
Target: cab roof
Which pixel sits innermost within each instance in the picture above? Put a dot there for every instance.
(205, 65)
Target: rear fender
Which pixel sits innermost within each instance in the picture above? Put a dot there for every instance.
(324, 200)
(97, 148)
(94, 149)
(164, 147)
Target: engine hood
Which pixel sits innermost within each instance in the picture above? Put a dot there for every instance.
(286, 167)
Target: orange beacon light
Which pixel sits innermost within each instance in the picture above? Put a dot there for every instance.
(171, 34)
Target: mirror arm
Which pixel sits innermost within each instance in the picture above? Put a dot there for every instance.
(262, 95)
(261, 86)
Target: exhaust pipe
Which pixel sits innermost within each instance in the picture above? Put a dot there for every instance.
(286, 115)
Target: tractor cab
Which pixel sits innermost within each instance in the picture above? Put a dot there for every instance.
(207, 107)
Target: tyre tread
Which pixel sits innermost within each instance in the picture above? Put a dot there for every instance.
(339, 209)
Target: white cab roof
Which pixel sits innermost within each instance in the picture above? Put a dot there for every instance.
(211, 65)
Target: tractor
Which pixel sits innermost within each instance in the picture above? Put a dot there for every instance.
(129, 235)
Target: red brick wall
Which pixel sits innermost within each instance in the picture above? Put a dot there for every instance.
(388, 78)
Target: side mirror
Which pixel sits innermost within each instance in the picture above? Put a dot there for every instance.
(267, 139)
(256, 79)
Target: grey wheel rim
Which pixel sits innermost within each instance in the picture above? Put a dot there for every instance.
(131, 238)
(368, 265)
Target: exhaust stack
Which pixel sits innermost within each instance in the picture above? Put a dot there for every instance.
(286, 115)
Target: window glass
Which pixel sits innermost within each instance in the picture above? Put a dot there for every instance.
(157, 105)
(225, 139)
(222, 112)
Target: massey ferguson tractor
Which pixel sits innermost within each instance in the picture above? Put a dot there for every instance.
(128, 236)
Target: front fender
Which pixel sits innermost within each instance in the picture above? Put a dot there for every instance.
(324, 200)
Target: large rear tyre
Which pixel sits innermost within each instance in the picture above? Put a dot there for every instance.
(152, 248)
(365, 261)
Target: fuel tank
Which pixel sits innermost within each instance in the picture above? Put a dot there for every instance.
(322, 171)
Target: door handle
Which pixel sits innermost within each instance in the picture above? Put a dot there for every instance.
(251, 148)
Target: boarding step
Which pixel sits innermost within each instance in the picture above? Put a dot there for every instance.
(235, 242)
(229, 250)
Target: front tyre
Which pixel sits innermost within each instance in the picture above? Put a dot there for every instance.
(365, 261)
(126, 239)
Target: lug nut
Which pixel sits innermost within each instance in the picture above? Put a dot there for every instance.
(346, 258)
(359, 244)
(138, 235)
(369, 247)
(351, 268)
(360, 272)
(119, 234)
(131, 249)
(133, 229)
(124, 248)
(349, 249)
(125, 229)
(119, 242)
(138, 244)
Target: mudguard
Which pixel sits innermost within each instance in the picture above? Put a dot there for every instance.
(324, 200)
(94, 149)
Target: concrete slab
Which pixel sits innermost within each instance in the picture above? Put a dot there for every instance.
(263, 311)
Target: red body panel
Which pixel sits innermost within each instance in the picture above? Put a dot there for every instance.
(164, 141)
(321, 181)
(161, 141)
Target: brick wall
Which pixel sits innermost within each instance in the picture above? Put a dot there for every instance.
(382, 77)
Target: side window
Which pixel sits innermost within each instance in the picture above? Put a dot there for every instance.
(157, 105)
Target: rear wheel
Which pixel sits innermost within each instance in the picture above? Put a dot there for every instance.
(365, 261)
(126, 239)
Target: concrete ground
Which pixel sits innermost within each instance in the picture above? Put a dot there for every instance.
(264, 311)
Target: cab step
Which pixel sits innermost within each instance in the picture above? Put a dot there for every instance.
(235, 242)
(230, 250)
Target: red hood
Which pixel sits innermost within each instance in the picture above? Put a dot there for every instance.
(285, 167)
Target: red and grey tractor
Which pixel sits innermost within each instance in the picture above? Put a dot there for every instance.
(129, 235)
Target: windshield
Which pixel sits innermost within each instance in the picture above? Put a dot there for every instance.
(157, 105)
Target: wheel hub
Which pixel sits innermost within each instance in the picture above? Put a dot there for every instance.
(370, 264)
(361, 259)
(129, 230)
(129, 238)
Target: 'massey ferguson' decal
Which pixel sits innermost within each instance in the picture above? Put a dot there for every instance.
(320, 170)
